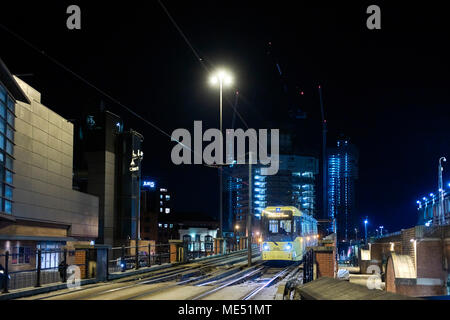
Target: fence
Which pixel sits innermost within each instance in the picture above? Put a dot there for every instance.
(121, 259)
(198, 249)
(308, 266)
(34, 268)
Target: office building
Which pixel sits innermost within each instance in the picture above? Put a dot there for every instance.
(38, 207)
(102, 168)
(342, 176)
(293, 185)
(156, 207)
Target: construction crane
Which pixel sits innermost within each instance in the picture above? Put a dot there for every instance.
(301, 115)
(294, 112)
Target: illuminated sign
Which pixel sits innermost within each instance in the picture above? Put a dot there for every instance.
(150, 184)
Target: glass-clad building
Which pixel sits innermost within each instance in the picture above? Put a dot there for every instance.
(7, 116)
(293, 185)
(342, 173)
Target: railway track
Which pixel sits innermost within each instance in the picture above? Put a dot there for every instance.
(258, 271)
(193, 271)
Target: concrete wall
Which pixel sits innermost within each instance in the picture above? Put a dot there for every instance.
(101, 172)
(43, 170)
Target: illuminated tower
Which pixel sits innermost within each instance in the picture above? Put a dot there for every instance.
(342, 173)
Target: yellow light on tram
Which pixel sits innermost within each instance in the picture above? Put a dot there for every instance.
(260, 240)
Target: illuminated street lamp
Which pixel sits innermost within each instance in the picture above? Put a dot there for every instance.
(221, 77)
(381, 228)
(441, 191)
(365, 227)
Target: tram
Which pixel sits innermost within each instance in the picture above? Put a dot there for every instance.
(286, 232)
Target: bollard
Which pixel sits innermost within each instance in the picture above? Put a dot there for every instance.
(5, 278)
(38, 271)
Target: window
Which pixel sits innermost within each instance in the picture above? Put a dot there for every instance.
(171, 225)
(165, 225)
(8, 206)
(10, 118)
(8, 192)
(9, 147)
(160, 225)
(10, 133)
(2, 94)
(160, 209)
(167, 197)
(8, 176)
(7, 109)
(167, 210)
(20, 255)
(160, 196)
(273, 226)
(11, 105)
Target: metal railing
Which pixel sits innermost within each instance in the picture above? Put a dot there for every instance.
(40, 267)
(198, 249)
(121, 259)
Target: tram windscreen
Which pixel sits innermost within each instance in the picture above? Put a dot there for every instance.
(276, 229)
(278, 226)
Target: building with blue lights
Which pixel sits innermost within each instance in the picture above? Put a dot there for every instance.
(342, 173)
(156, 208)
(293, 185)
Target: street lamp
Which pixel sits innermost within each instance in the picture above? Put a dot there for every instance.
(381, 228)
(365, 228)
(135, 169)
(441, 191)
(221, 77)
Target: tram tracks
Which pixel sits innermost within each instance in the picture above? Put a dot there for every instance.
(184, 274)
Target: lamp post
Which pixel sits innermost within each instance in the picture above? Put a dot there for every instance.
(356, 234)
(441, 191)
(381, 228)
(221, 78)
(236, 228)
(365, 228)
(135, 169)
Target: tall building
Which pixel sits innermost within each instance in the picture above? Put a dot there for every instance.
(102, 168)
(156, 207)
(293, 185)
(38, 207)
(342, 173)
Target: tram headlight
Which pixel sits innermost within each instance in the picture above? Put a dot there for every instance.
(288, 247)
(265, 247)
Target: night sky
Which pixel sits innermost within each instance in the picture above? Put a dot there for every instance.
(386, 89)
